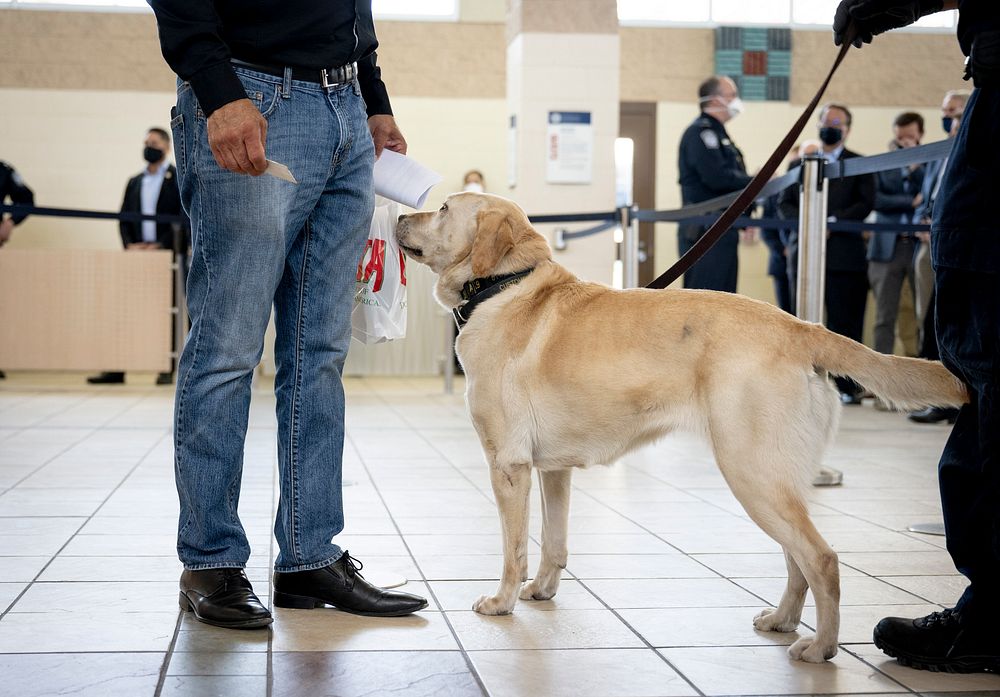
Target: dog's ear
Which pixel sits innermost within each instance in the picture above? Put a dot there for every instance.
(494, 238)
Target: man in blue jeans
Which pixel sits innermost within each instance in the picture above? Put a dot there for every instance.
(965, 253)
(296, 82)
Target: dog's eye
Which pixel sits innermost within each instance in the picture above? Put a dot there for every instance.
(444, 207)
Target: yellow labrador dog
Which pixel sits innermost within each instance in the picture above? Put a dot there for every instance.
(563, 373)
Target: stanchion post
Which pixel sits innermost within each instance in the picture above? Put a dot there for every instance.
(630, 247)
(809, 287)
(812, 241)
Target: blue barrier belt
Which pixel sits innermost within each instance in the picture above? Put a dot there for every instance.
(19, 209)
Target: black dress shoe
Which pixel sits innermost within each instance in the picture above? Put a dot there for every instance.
(165, 379)
(339, 584)
(939, 642)
(222, 597)
(107, 379)
(934, 415)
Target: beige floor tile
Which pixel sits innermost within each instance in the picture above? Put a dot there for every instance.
(943, 590)
(712, 626)
(460, 595)
(8, 592)
(369, 673)
(113, 569)
(467, 566)
(472, 525)
(99, 597)
(768, 670)
(858, 621)
(202, 639)
(874, 541)
(854, 590)
(459, 544)
(80, 674)
(579, 673)
(17, 569)
(754, 565)
(643, 543)
(218, 663)
(45, 632)
(928, 563)
(332, 630)
(925, 681)
(672, 593)
(215, 685)
(564, 629)
(675, 565)
(718, 542)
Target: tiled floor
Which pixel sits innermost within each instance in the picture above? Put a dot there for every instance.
(664, 576)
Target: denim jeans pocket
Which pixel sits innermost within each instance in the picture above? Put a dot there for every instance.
(177, 128)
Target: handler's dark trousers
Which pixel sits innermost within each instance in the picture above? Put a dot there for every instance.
(966, 256)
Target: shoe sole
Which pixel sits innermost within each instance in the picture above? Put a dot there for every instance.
(186, 606)
(304, 602)
(969, 665)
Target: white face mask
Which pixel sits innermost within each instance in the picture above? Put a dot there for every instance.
(474, 187)
(735, 107)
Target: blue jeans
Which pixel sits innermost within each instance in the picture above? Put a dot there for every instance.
(259, 241)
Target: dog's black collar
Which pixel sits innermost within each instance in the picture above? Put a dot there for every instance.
(479, 290)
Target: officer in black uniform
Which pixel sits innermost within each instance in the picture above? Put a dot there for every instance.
(12, 187)
(711, 165)
(965, 253)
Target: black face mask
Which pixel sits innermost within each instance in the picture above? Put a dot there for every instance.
(830, 135)
(152, 155)
(946, 123)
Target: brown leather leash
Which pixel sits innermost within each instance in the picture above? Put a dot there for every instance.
(747, 196)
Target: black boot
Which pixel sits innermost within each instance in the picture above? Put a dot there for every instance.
(934, 415)
(339, 584)
(107, 379)
(222, 597)
(939, 642)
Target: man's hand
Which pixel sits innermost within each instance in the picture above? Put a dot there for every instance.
(6, 230)
(924, 236)
(872, 17)
(918, 199)
(237, 134)
(386, 134)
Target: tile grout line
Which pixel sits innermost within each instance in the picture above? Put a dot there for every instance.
(87, 520)
(161, 681)
(423, 577)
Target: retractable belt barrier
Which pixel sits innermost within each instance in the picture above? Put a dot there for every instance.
(703, 213)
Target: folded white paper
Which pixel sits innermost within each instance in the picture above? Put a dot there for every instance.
(276, 169)
(403, 179)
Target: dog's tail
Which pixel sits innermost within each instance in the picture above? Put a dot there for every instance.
(906, 383)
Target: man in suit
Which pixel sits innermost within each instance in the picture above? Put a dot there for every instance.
(711, 165)
(152, 191)
(849, 198)
(890, 255)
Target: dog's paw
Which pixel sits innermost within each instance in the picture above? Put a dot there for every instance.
(770, 621)
(492, 605)
(809, 650)
(533, 590)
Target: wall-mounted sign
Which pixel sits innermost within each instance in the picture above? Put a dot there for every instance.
(569, 148)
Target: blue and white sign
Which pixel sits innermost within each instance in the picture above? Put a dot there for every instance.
(570, 148)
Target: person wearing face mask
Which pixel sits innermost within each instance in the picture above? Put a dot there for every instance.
(849, 199)
(890, 255)
(474, 182)
(710, 166)
(152, 191)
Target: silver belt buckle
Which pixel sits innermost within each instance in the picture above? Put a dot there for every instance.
(324, 79)
(345, 73)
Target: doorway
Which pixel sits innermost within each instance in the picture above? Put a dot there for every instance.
(637, 120)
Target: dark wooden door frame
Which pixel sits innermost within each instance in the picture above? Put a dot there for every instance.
(637, 120)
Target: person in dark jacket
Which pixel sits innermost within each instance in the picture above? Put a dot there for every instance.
(711, 165)
(966, 258)
(849, 199)
(890, 255)
(154, 190)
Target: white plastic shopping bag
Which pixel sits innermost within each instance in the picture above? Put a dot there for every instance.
(380, 297)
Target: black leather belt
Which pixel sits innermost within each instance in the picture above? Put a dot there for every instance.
(327, 77)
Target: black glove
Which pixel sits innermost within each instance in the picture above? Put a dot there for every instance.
(871, 17)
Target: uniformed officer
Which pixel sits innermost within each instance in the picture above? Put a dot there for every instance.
(965, 253)
(12, 187)
(711, 165)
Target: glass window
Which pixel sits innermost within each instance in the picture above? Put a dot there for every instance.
(658, 11)
(814, 11)
(429, 9)
(756, 12)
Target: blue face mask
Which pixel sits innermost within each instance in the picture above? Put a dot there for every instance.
(946, 123)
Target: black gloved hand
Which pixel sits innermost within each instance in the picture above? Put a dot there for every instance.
(871, 17)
